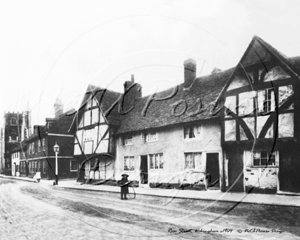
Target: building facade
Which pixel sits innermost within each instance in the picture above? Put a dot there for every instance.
(37, 153)
(260, 134)
(94, 127)
(233, 130)
(17, 127)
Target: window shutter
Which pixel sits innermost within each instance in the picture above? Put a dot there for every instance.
(143, 138)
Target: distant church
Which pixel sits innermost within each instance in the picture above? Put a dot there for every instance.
(17, 127)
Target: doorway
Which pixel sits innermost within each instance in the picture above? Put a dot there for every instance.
(212, 171)
(144, 169)
(289, 178)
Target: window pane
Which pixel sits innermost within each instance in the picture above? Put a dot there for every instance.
(161, 166)
(198, 162)
(186, 132)
(189, 161)
(264, 161)
(126, 167)
(266, 100)
(256, 162)
(132, 165)
(151, 162)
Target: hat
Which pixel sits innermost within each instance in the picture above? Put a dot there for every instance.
(124, 174)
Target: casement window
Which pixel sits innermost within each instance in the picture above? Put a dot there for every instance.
(29, 148)
(150, 137)
(39, 146)
(156, 161)
(73, 165)
(129, 163)
(127, 141)
(33, 148)
(192, 132)
(25, 133)
(45, 166)
(44, 144)
(263, 159)
(266, 100)
(193, 160)
(38, 168)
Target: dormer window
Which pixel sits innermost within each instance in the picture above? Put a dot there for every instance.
(127, 141)
(151, 137)
(192, 132)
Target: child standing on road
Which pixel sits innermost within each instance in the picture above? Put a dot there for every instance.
(123, 183)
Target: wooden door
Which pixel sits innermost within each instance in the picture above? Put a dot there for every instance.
(289, 171)
(213, 170)
(144, 169)
(235, 171)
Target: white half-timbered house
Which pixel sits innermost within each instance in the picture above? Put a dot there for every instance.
(260, 134)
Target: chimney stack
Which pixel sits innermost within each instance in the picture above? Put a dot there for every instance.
(133, 92)
(190, 68)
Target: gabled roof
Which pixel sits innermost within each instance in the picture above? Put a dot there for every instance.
(204, 90)
(258, 52)
(106, 98)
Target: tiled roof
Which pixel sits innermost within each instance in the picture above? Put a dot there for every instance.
(183, 105)
(204, 90)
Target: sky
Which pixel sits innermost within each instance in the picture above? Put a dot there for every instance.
(55, 49)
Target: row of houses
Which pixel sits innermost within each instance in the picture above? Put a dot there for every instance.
(233, 130)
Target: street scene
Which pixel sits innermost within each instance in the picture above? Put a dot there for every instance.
(40, 211)
(150, 119)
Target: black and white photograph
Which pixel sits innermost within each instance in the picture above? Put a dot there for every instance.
(149, 119)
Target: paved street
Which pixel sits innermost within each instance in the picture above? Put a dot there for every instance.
(39, 211)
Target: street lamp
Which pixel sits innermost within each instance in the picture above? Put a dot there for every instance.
(56, 150)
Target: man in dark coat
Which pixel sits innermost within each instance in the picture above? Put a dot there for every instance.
(123, 183)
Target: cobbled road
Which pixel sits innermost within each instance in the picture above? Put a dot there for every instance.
(39, 211)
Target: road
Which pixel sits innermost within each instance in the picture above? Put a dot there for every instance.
(39, 211)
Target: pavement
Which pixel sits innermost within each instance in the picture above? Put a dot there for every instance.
(211, 195)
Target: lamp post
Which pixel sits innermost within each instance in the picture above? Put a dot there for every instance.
(56, 150)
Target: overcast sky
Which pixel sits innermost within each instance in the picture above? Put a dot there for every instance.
(51, 49)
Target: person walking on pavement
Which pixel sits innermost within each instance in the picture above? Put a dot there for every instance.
(123, 183)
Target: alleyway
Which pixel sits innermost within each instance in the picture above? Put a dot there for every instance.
(39, 211)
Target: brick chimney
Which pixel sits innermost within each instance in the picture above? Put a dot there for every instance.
(190, 68)
(132, 91)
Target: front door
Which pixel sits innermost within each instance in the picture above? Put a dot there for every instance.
(212, 170)
(289, 166)
(144, 169)
(235, 171)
